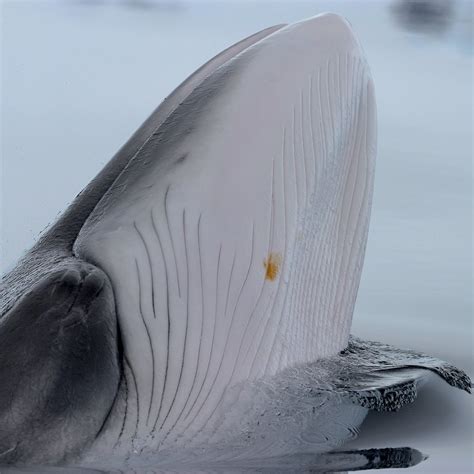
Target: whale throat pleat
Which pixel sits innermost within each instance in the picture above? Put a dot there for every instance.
(235, 239)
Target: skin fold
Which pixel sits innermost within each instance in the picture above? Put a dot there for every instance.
(59, 365)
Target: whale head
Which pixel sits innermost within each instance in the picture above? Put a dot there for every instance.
(234, 238)
(225, 241)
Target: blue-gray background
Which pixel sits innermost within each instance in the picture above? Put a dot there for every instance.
(79, 77)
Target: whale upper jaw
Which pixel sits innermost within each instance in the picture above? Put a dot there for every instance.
(234, 239)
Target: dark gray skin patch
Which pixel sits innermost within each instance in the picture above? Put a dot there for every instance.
(59, 366)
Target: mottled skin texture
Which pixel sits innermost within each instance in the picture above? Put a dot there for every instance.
(59, 365)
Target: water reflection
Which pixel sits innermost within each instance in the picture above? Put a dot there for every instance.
(338, 461)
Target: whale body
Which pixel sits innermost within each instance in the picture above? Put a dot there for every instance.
(196, 298)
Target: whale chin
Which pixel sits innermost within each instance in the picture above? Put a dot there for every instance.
(234, 238)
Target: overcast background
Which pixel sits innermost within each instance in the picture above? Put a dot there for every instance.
(78, 77)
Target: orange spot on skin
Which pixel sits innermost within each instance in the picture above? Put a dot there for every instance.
(272, 266)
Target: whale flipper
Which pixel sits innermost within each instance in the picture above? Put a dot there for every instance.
(385, 378)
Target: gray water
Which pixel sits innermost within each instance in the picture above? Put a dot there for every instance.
(79, 77)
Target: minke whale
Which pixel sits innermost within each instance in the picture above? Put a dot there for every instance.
(194, 302)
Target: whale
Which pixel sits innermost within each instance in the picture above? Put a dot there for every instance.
(194, 302)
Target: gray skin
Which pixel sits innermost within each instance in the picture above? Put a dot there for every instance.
(60, 351)
(59, 358)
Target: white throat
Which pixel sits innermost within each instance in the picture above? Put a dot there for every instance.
(235, 239)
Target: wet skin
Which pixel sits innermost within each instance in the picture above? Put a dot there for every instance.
(59, 365)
